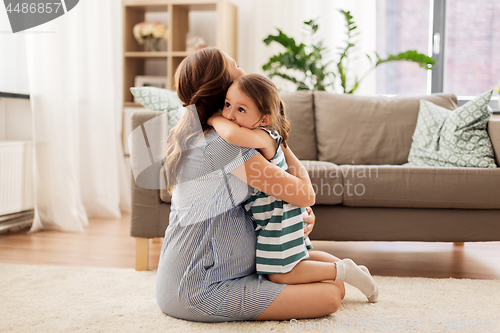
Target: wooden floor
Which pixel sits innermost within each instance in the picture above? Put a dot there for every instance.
(106, 243)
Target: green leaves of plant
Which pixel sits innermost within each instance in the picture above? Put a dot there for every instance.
(287, 42)
(307, 59)
(421, 59)
(343, 63)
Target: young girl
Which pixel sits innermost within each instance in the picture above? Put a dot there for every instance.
(254, 116)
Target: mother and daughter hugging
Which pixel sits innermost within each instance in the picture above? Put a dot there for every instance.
(237, 246)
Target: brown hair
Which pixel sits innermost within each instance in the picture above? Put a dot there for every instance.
(201, 79)
(264, 94)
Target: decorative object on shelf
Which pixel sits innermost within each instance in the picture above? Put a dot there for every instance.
(150, 81)
(151, 32)
(195, 43)
(315, 73)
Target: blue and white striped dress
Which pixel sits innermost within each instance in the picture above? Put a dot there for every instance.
(207, 262)
(280, 226)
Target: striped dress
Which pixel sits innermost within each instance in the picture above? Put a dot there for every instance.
(206, 270)
(279, 226)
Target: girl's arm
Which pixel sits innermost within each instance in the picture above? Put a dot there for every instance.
(294, 166)
(240, 136)
(268, 178)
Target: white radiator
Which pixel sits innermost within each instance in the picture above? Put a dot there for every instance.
(16, 176)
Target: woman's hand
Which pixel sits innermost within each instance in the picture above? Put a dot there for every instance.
(310, 220)
(215, 115)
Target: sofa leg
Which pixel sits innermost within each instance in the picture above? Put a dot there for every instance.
(458, 243)
(141, 254)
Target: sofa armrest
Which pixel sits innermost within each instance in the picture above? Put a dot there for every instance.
(149, 214)
(494, 132)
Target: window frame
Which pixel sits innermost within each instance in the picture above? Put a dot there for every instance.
(437, 49)
(437, 44)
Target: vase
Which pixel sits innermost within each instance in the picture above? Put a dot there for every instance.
(154, 45)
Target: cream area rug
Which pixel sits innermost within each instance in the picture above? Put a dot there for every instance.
(77, 299)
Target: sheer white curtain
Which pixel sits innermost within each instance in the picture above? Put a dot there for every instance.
(74, 70)
(261, 18)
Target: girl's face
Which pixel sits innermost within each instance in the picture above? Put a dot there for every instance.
(241, 110)
(236, 71)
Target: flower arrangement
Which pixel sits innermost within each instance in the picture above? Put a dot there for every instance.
(152, 32)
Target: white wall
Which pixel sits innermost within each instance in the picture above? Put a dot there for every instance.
(15, 119)
(15, 114)
(13, 72)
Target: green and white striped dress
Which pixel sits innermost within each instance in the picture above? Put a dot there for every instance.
(280, 226)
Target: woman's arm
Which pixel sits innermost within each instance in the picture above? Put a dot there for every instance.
(240, 136)
(269, 178)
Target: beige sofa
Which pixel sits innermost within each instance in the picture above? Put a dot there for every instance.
(354, 149)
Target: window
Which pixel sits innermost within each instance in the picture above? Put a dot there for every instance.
(402, 26)
(472, 47)
(465, 43)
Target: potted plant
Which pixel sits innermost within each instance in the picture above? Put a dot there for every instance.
(314, 72)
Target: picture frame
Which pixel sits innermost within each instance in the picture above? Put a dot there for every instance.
(150, 81)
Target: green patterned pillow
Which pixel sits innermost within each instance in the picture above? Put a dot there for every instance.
(453, 138)
(158, 99)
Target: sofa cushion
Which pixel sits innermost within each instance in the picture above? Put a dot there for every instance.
(421, 187)
(156, 99)
(326, 179)
(453, 138)
(363, 130)
(299, 110)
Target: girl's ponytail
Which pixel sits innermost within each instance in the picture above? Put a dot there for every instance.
(202, 79)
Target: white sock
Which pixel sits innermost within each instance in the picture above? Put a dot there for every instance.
(349, 272)
(374, 297)
(364, 269)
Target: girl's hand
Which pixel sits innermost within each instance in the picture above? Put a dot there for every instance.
(310, 220)
(215, 115)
